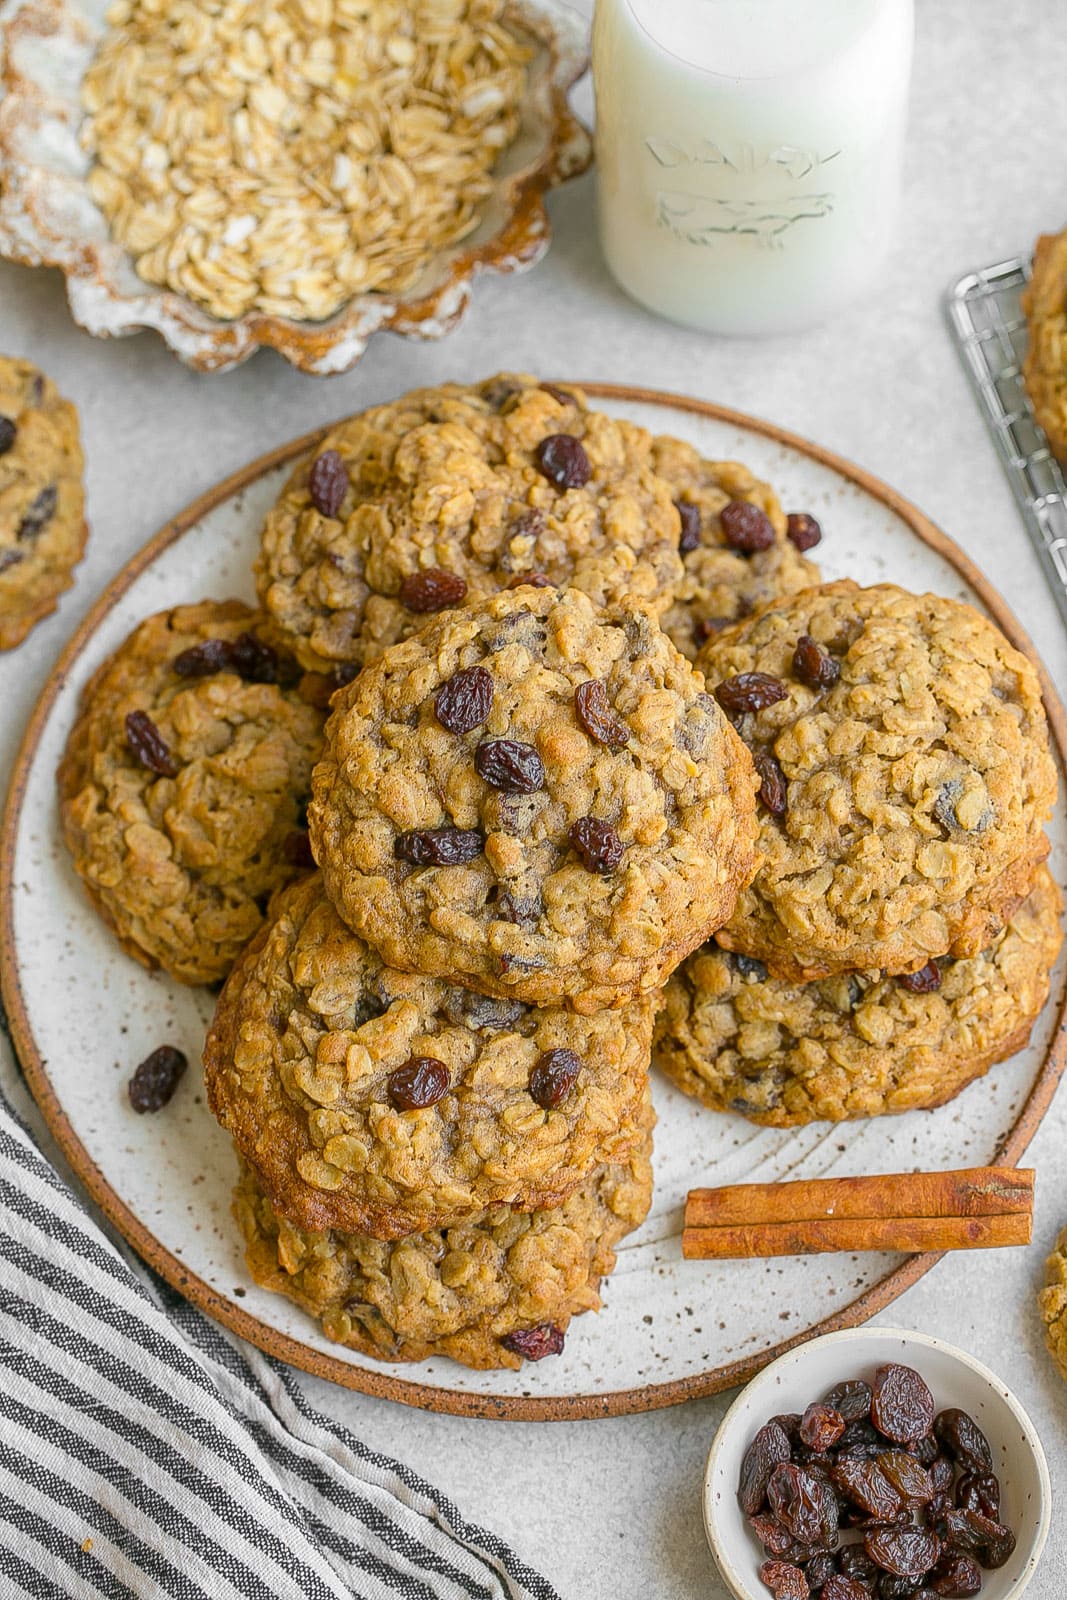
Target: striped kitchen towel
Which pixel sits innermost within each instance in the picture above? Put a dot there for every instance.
(143, 1452)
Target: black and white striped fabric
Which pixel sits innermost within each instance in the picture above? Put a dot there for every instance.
(145, 1453)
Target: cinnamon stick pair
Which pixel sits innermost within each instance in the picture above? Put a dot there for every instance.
(974, 1209)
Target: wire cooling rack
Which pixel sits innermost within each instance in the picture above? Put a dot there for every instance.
(990, 332)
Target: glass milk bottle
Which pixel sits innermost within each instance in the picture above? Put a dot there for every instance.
(749, 153)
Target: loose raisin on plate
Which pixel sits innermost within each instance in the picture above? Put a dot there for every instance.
(788, 1421)
(561, 458)
(689, 538)
(838, 1587)
(438, 847)
(905, 1552)
(534, 1344)
(785, 1580)
(925, 981)
(432, 589)
(961, 1438)
(856, 1563)
(995, 1543)
(902, 1406)
(776, 1540)
(746, 527)
(773, 790)
(554, 1075)
(328, 482)
(149, 745)
(419, 1083)
(795, 1497)
(852, 1398)
(803, 530)
(925, 1449)
(749, 691)
(768, 1450)
(156, 1079)
(597, 843)
(42, 510)
(942, 1473)
(820, 1568)
(464, 701)
(821, 1426)
(813, 666)
(8, 434)
(979, 1491)
(890, 1587)
(864, 1484)
(908, 1476)
(593, 710)
(508, 765)
(957, 1576)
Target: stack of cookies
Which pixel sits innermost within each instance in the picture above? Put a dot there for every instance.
(898, 935)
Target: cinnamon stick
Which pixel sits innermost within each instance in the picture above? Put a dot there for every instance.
(980, 1208)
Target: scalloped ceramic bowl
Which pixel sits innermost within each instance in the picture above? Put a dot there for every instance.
(47, 217)
(805, 1373)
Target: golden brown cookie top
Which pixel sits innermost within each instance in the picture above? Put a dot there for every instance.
(905, 777)
(379, 1101)
(535, 797)
(42, 505)
(737, 545)
(183, 786)
(859, 1044)
(451, 494)
(491, 1292)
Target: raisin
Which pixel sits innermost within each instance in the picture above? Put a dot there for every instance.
(534, 1344)
(8, 432)
(750, 691)
(942, 1473)
(521, 910)
(820, 1569)
(432, 589)
(464, 701)
(956, 1576)
(156, 1079)
(821, 1426)
(532, 580)
(852, 1398)
(529, 523)
(749, 967)
(689, 538)
(438, 847)
(296, 850)
(776, 1540)
(328, 482)
(925, 1449)
(200, 660)
(149, 745)
(593, 710)
(905, 1552)
(939, 1503)
(498, 391)
(979, 1491)
(255, 661)
(40, 514)
(891, 1587)
(10, 558)
(597, 843)
(561, 458)
(746, 527)
(803, 530)
(795, 1497)
(553, 1077)
(772, 785)
(856, 1563)
(813, 666)
(508, 765)
(865, 1485)
(925, 981)
(909, 1477)
(769, 1449)
(419, 1083)
(557, 393)
(962, 1439)
(992, 1542)
(902, 1407)
(838, 1587)
(784, 1580)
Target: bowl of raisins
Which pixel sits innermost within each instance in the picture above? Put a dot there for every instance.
(876, 1464)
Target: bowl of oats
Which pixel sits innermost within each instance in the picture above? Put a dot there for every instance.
(298, 174)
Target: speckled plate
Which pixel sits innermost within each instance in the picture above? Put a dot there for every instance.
(670, 1329)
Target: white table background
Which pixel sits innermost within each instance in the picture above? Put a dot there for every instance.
(611, 1508)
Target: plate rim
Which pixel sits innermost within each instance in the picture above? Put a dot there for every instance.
(384, 1385)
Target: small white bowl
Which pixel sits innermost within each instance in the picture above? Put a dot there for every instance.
(956, 1379)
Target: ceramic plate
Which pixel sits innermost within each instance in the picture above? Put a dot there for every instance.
(670, 1329)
